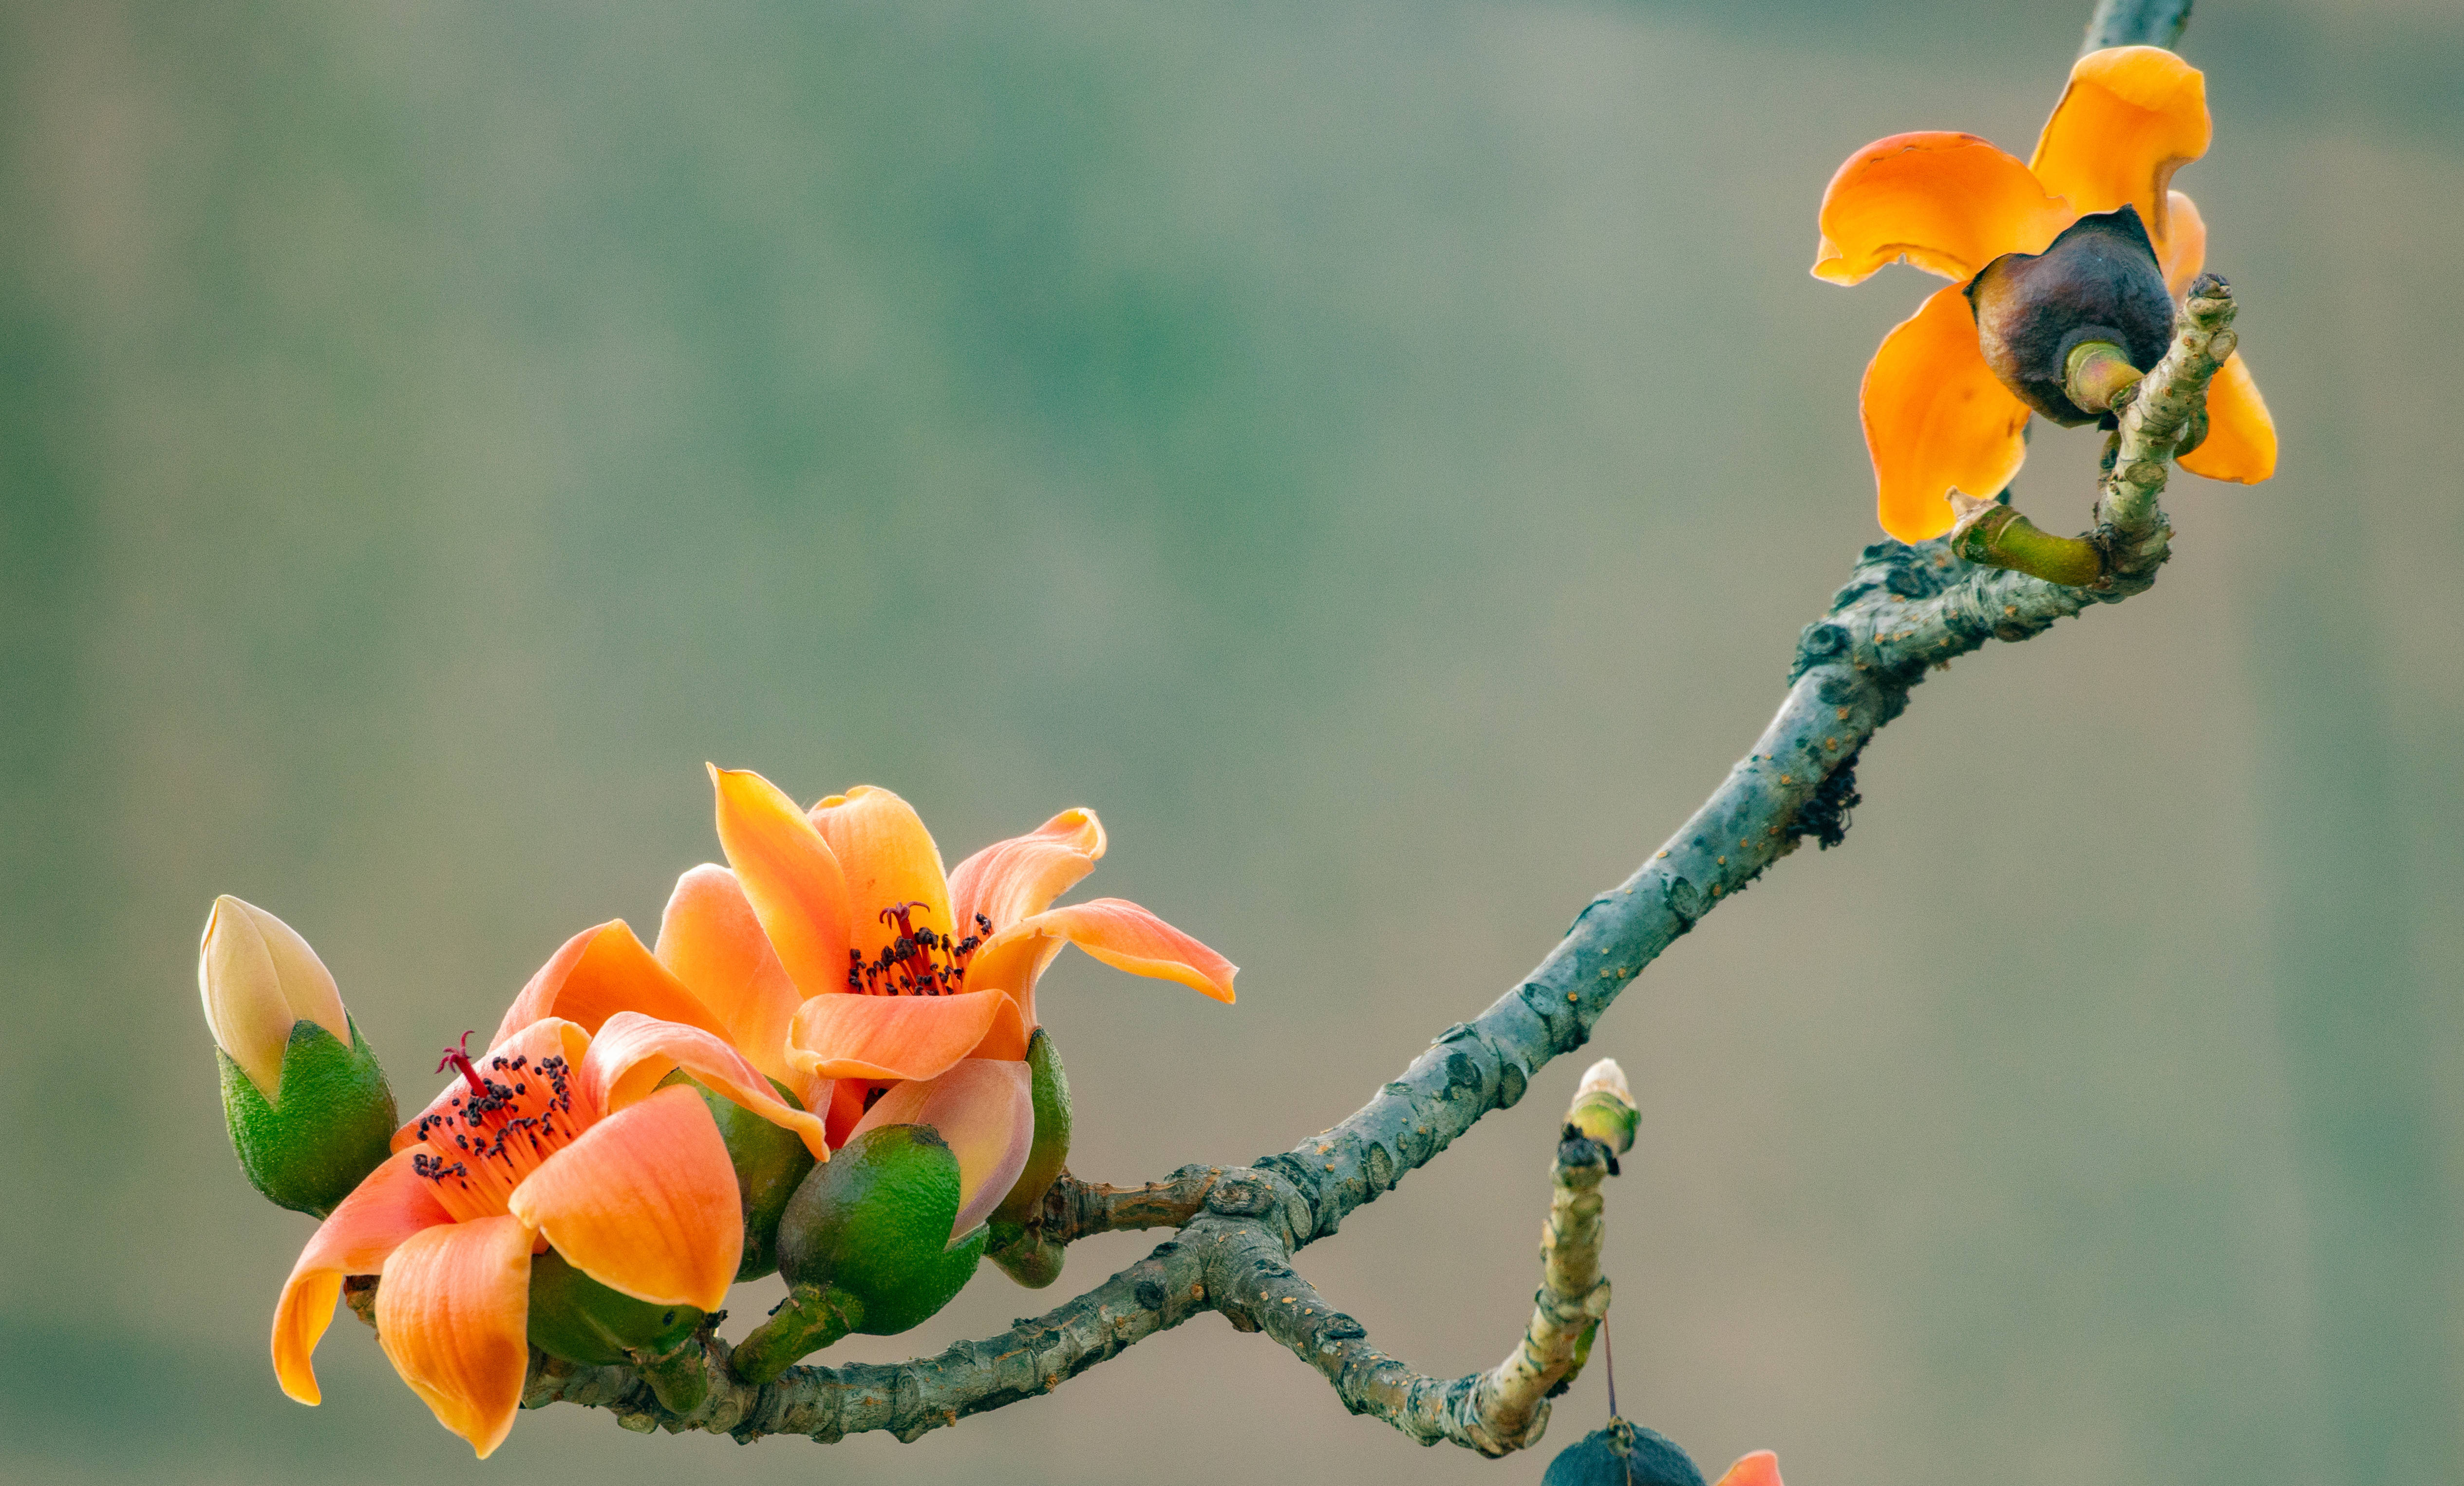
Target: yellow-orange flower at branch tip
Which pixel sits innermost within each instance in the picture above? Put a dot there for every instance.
(1936, 420)
(551, 1137)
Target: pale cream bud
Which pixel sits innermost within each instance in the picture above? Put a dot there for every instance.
(1605, 1076)
(259, 978)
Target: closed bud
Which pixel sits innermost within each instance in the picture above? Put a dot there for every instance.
(866, 1246)
(309, 1110)
(1603, 1108)
(2097, 284)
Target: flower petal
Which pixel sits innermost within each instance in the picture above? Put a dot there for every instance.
(710, 938)
(790, 876)
(644, 1202)
(903, 1037)
(599, 972)
(2130, 118)
(982, 1106)
(889, 862)
(2185, 249)
(1936, 419)
(388, 1205)
(1007, 880)
(633, 1052)
(453, 1315)
(2240, 445)
(552, 1038)
(1949, 204)
(1759, 1469)
(1120, 934)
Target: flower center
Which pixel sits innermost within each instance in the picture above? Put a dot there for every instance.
(496, 1131)
(919, 962)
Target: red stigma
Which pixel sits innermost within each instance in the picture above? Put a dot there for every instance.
(458, 1058)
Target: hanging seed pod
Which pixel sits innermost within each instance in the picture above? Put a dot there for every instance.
(1625, 1454)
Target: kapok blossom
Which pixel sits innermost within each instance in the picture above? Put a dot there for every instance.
(1936, 419)
(553, 1137)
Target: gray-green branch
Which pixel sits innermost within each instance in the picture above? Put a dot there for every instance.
(1906, 610)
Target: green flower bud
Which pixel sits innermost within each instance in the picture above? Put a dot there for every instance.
(1622, 1454)
(308, 1107)
(865, 1244)
(1603, 1108)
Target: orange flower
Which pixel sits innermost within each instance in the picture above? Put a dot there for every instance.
(552, 1137)
(1935, 417)
(831, 957)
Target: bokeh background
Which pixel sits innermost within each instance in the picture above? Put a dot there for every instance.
(1380, 456)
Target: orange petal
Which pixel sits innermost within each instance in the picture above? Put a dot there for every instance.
(633, 1052)
(552, 1038)
(1936, 419)
(2240, 445)
(1759, 1469)
(902, 1036)
(889, 862)
(453, 1315)
(599, 972)
(644, 1202)
(392, 1203)
(1121, 934)
(1949, 204)
(2185, 244)
(2130, 118)
(790, 876)
(710, 938)
(982, 1106)
(1008, 881)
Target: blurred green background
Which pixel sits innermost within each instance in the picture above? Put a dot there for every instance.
(1380, 457)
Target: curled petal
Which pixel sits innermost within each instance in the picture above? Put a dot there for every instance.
(1759, 1469)
(710, 938)
(552, 1038)
(1949, 204)
(790, 876)
(1011, 880)
(453, 1316)
(1936, 419)
(633, 1052)
(644, 1202)
(903, 1037)
(2240, 445)
(1119, 933)
(2130, 118)
(983, 1108)
(889, 862)
(599, 972)
(392, 1203)
(2185, 249)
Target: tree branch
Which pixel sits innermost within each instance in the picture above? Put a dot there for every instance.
(1906, 610)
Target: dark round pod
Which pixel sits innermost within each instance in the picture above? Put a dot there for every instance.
(2099, 281)
(1622, 1454)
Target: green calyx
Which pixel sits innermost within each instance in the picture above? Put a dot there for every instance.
(1048, 1087)
(770, 1162)
(1624, 1454)
(1017, 1241)
(328, 1125)
(865, 1246)
(582, 1320)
